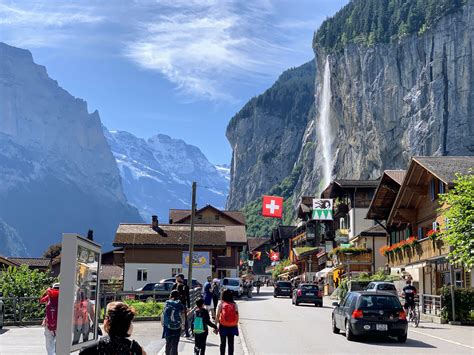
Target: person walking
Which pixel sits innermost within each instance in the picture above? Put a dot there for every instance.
(172, 322)
(208, 293)
(227, 318)
(258, 284)
(118, 326)
(183, 291)
(50, 297)
(201, 322)
(216, 294)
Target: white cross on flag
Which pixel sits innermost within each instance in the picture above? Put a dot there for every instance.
(272, 206)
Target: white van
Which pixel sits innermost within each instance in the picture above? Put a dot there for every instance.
(233, 284)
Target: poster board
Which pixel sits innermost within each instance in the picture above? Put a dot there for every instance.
(200, 260)
(78, 294)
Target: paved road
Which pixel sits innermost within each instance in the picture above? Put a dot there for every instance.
(275, 326)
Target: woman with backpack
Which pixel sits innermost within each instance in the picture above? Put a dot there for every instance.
(227, 318)
(172, 322)
(118, 326)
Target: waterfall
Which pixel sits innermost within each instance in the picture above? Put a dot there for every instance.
(323, 125)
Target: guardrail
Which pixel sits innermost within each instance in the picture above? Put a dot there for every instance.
(430, 305)
(22, 310)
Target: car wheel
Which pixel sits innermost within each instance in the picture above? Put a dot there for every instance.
(402, 338)
(335, 329)
(349, 335)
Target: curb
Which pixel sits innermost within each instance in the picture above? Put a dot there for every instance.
(242, 341)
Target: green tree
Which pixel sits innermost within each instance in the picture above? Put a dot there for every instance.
(458, 212)
(53, 251)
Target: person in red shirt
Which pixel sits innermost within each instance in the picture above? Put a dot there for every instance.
(50, 297)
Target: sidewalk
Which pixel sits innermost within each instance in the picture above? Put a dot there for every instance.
(30, 340)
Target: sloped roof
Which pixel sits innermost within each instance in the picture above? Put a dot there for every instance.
(177, 215)
(236, 234)
(396, 175)
(31, 262)
(385, 194)
(8, 262)
(108, 272)
(445, 168)
(255, 243)
(170, 235)
(374, 231)
(336, 184)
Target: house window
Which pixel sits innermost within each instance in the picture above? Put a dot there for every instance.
(228, 251)
(440, 187)
(142, 275)
(420, 233)
(432, 189)
(199, 216)
(217, 217)
(175, 271)
(458, 280)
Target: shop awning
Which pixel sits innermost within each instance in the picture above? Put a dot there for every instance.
(291, 268)
(325, 271)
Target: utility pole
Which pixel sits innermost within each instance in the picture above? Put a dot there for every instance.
(191, 238)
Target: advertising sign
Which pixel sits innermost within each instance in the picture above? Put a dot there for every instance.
(322, 209)
(200, 260)
(78, 294)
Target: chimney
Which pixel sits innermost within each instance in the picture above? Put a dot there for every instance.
(154, 222)
(90, 234)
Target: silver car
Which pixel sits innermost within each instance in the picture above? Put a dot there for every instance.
(382, 286)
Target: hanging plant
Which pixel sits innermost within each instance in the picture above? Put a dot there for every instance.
(385, 250)
(413, 242)
(432, 234)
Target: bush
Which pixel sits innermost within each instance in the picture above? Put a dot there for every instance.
(464, 303)
(279, 268)
(30, 284)
(146, 309)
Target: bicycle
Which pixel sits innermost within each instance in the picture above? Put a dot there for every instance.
(413, 315)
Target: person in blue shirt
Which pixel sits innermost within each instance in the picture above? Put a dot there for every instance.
(173, 314)
(208, 293)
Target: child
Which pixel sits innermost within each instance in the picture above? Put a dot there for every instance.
(200, 327)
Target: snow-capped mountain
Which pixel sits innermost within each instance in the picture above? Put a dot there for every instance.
(224, 171)
(57, 173)
(157, 173)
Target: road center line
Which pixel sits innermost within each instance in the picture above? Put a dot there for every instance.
(439, 338)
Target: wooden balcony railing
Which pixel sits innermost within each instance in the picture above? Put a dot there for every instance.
(424, 250)
(365, 258)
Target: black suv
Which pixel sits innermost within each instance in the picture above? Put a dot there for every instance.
(308, 293)
(370, 313)
(282, 288)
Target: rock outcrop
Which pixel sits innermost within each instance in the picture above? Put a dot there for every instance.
(57, 172)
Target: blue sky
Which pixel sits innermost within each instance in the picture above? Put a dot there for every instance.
(178, 67)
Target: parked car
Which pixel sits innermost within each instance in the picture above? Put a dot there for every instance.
(382, 286)
(307, 293)
(2, 311)
(196, 283)
(161, 291)
(282, 288)
(370, 313)
(234, 284)
(148, 287)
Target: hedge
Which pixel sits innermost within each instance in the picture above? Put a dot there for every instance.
(464, 304)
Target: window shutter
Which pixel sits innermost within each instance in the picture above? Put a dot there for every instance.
(432, 189)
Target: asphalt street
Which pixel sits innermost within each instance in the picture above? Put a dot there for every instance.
(275, 326)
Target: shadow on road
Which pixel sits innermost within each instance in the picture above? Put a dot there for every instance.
(387, 341)
(3, 331)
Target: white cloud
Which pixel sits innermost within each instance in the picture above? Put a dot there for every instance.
(206, 42)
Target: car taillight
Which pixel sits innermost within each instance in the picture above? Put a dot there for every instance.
(402, 315)
(357, 313)
(299, 292)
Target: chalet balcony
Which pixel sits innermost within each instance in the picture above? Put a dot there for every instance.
(426, 249)
(365, 258)
(340, 210)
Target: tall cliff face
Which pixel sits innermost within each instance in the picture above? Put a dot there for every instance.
(57, 171)
(157, 173)
(388, 102)
(266, 135)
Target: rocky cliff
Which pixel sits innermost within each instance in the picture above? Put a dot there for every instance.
(57, 172)
(388, 102)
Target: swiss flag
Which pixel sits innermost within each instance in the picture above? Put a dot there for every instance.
(272, 206)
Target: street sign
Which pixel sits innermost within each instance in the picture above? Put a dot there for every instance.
(272, 206)
(322, 209)
(78, 294)
(250, 263)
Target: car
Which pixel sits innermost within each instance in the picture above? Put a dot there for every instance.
(382, 286)
(370, 313)
(196, 283)
(234, 284)
(148, 287)
(307, 293)
(282, 288)
(158, 291)
(2, 311)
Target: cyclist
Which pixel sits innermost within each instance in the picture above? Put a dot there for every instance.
(409, 293)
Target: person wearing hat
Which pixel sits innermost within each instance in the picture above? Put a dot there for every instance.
(50, 297)
(183, 290)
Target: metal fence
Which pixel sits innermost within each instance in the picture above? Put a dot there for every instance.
(22, 310)
(430, 305)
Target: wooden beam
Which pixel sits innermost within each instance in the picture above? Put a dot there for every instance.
(406, 214)
(421, 190)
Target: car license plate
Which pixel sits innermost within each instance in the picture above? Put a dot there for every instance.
(381, 327)
(310, 294)
(285, 289)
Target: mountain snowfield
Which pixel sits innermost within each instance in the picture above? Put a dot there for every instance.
(157, 173)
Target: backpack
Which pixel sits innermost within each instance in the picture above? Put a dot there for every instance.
(198, 325)
(228, 316)
(52, 309)
(172, 315)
